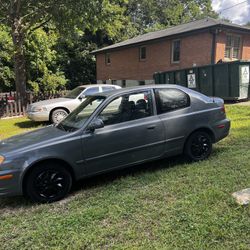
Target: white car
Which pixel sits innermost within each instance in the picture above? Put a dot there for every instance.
(55, 110)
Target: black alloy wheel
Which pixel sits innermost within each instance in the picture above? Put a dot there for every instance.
(198, 146)
(48, 183)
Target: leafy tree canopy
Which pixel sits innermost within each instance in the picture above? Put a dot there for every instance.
(6, 64)
(46, 45)
(149, 15)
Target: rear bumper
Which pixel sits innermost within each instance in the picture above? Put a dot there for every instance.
(222, 129)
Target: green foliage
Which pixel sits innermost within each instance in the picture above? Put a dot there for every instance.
(75, 59)
(112, 21)
(59, 35)
(43, 70)
(150, 15)
(6, 63)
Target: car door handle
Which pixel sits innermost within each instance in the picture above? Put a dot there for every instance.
(151, 127)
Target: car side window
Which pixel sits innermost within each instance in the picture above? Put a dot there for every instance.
(168, 100)
(91, 90)
(127, 108)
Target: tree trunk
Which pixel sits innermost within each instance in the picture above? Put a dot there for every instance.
(19, 67)
(18, 36)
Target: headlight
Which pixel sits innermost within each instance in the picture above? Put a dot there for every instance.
(39, 109)
(1, 159)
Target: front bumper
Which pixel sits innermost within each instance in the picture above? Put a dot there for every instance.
(38, 116)
(10, 186)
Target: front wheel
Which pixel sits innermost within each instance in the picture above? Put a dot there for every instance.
(58, 115)
(198, 146)
(47, 183)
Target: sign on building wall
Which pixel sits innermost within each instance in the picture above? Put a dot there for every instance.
(191, 81)
(245, 74)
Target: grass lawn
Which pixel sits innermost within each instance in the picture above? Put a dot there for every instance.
(13, 126)
(167, 204)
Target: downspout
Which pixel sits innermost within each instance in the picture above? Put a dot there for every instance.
(214, 33)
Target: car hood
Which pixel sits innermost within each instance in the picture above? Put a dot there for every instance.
(51, 102)
(30, 140)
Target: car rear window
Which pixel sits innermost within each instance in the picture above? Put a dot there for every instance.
(168, 100)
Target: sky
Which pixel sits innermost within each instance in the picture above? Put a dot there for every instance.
(239, 14)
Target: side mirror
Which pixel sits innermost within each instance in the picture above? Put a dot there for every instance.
(81, 97)
(95, 124)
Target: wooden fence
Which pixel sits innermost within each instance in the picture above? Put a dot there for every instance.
(10, 107)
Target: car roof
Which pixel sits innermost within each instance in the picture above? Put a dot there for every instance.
(144, 87)
(155, 86)
(97, 85)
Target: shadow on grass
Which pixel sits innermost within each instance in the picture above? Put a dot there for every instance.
(30, 124)
(19, 202)
(104, 179)
(137, 170)
(14, 203)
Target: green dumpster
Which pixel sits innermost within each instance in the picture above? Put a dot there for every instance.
(205, 76)
(229, 81)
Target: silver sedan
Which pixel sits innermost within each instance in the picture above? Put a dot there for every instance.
(55, 110)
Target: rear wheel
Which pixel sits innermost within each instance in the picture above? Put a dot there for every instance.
(198, 146)
(47, 183)
(58, 115)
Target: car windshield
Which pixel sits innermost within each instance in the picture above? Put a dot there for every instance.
(76, 119)
(75, 92)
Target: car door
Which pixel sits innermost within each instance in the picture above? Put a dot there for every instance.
(132, 133)
(173, 108)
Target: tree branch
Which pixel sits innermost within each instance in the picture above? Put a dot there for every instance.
(36, 12)
(5, 6)
(39, 25)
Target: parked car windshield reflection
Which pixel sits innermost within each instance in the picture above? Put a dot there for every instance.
(76, 119)
(75, 92)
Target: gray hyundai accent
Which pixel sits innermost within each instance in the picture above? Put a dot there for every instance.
(109, 131)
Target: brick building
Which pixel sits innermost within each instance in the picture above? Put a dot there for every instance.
(197, 43)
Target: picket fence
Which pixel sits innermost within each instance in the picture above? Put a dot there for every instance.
(10, 107)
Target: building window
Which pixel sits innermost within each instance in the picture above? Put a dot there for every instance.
(107, 59)
(176, 49)
(232, 50)
(143, 53)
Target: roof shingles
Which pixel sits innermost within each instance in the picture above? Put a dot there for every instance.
(179, 29)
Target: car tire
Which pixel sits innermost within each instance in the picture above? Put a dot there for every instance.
(47, 182)
(198, 146)
(58, 115)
